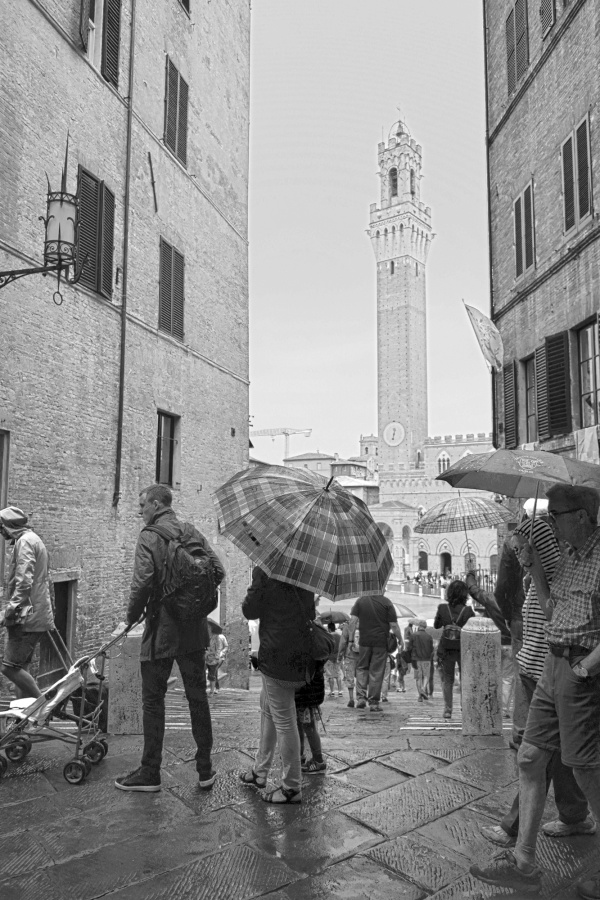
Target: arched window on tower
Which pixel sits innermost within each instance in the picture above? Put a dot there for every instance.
(412, 182)
(393, 181)
(443, 462)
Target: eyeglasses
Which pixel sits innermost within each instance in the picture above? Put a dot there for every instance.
(553, 516)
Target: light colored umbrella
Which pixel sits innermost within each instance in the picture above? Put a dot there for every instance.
(462, 514)
(333, 615)
(305, 530)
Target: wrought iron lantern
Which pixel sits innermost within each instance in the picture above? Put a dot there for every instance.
(60, 245)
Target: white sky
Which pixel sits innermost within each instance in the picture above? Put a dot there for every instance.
(327, 76)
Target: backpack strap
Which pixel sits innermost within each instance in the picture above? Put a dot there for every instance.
(160, 530)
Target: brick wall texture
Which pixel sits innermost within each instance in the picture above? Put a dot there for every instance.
(59, 366)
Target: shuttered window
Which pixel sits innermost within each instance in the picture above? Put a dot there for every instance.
(96, 234)
(547, 15)
(511, 433)
(517, 44)
(541, 391)
(176, 112)
(577, 176)
(524, 231)
(530, 400)
(171, 290)
(589, 375)
(111, 35)
(558, 384)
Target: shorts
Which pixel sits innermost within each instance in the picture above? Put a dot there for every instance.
(19, 646)
(333, 670)
(565, 714)
(350, 670)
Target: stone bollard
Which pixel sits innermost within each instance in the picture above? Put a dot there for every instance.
(125, 694)
(481, 677)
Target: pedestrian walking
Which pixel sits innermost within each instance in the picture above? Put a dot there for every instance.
(420, 648)
(167, 639)
(308, 701)
(375, 617)
(215, 657)
(385, 684)
(349, 653)
(451, 616)
(402, 668)
(283, 660)
(28, 612)
(333, 669)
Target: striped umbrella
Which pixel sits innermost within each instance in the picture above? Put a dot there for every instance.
(305, 530)
(462, 513)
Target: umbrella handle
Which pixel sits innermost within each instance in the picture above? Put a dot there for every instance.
(537, 488)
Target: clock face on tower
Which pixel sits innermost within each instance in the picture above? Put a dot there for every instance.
(393, 434)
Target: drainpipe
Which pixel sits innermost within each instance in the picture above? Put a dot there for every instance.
(489, 209)
(119, 455)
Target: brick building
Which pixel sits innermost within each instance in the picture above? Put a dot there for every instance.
(543, 84)
(142, 372)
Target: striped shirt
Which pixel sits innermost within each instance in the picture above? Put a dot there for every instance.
(535, 643)
(575, 597)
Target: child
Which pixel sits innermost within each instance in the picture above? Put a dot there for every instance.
(215, 657)
(333, 668)
(308, 700)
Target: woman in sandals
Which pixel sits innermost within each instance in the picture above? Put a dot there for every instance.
(283, 659)
(308, 700)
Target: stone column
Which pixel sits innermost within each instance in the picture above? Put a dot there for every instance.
(481, 679)
(125, 684)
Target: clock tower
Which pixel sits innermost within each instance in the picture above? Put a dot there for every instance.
(400, 231)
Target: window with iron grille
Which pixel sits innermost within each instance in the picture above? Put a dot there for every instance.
(166, 446)
(530, 400)
(517, 44)
(524, 231)
(589, 375)
(96, 233)
(577, 177)
(176, 112)
(171, 290)
(547, 15)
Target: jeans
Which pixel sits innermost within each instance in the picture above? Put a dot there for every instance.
(369, 674)
(278, 722)
(447, 663)
(385, 684)
(422, 677)
(155, 673)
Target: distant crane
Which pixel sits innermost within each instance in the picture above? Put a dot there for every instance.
(275, 432)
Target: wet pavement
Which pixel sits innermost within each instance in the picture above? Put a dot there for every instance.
(398, 815)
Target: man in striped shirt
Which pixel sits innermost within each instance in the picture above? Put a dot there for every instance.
(564, 714)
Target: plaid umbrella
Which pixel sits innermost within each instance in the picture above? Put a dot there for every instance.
(519, 473)
(302, 529)
(462, 513)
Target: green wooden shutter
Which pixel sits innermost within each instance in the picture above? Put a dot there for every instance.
(182, 120)
(547, 15)
(559, 383)
(541, 393)
(510, 52)
(521, 38)
(518, 238)
(178, 295)
(165, 286)
(110, 41)
(528, 222)
(89, 227)
(84, 23)
(583, 170)
(171, 103)
(511, 433)
(568, 184)
(107, 242)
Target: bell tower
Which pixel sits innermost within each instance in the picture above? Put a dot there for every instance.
(401, 234)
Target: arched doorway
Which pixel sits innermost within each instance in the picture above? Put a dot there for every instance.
(445, 563)
(470, 562)
(494, 563)
(423, 561)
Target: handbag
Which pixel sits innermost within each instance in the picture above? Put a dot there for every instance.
(320, 644)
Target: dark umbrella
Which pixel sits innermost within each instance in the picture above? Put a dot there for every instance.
(334, 615)
(214, 626)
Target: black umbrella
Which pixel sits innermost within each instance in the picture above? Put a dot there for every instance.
(333, 615)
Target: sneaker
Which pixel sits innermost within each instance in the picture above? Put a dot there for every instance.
(559, 829)
(206, 783)
(589, 890)
(375, 708)
(331, 694)
(504, 872)
(360, 704)
(420, 699)
(340, 693)
(497, 835)
(447, 714)
(312, 767)
(350, 704)
(384, 700)
(139, 781)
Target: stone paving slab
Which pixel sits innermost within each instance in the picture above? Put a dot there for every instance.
(413, 762)
(460, 832)
(25, 787)
(354, 879)
(22, 853)
(309, 846)
(319, 795)
(228, 790)
(236, 874)
(486, 769)
(407, 806)
(424, 863)
(108, 768)
(371, 777)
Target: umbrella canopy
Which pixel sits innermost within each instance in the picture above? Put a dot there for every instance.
(403, 611)
(462, 513)
(305, 530)
(334, 615)
(519, 473)
(214, 626)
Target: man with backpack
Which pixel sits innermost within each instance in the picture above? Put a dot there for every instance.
(176, 573)
(451, 616)
(375, 617)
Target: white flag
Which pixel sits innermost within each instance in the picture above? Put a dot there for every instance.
(488, 336)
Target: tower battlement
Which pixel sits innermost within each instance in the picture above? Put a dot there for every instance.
(480, 437)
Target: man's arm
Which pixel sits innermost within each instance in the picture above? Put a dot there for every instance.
(530, 560)
(251, 602)
(395, 629)
(24, 571)
(143, 579)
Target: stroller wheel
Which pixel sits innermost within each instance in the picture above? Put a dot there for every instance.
(3, 766)
(75, 771)
(18, 749)
(95, 752)
(105, 745)
(87, 763)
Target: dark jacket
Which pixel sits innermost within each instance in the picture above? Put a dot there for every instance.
(283, 611)
(163, 635)
(309, 696)
(420, 645)
(509, 592)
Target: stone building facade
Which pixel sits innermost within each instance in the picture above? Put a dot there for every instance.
(543, 88)
(143, 370)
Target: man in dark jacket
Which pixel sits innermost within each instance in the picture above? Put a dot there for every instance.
(165, 640)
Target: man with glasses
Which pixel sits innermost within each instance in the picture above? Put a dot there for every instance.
(564, 715)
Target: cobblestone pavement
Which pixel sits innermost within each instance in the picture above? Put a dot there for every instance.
(397, 815)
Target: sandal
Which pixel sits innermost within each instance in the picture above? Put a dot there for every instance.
(252, 778)
(289, 796)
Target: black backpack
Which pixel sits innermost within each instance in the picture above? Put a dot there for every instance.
(450, 639)
(188, 582)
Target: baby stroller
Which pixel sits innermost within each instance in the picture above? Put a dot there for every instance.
(32, 721)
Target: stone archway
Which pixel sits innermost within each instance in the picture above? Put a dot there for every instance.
(445, 563)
